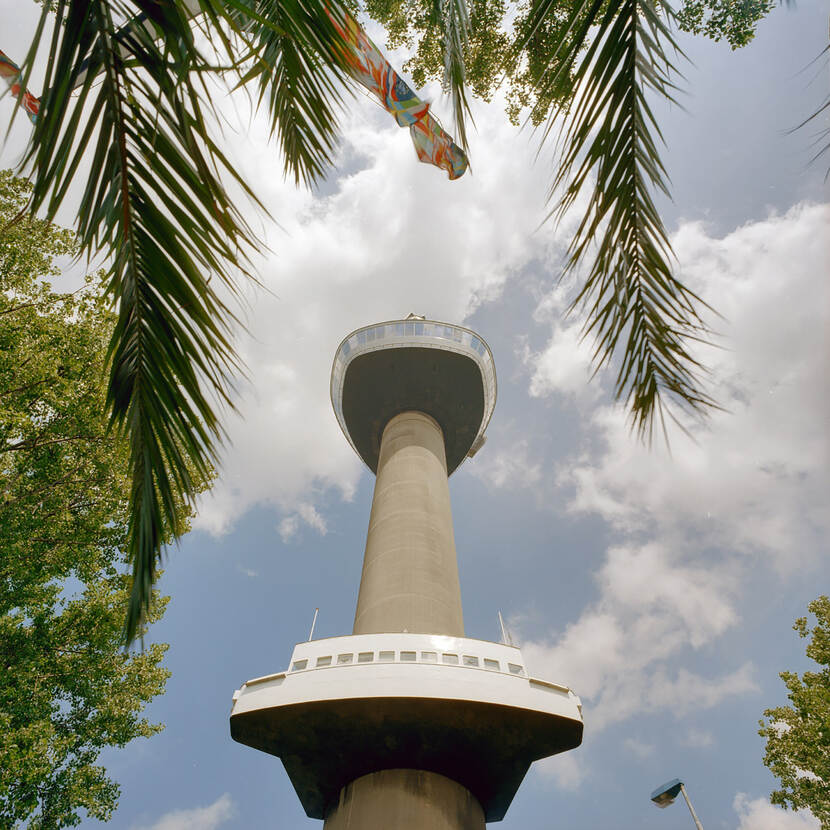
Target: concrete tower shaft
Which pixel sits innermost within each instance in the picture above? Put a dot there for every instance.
(410, 573)
(406, 724)
(409, 584)
(405, 799)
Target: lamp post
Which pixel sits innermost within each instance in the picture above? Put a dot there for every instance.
(665, 795)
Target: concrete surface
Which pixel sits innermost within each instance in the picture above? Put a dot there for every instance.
(381, 384)
(405, 799)
(410, 573)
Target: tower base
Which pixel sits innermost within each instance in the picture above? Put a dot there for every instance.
(405, 799)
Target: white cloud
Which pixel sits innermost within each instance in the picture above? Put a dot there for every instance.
(288, 528)
(394, 236)
(698, 738)
(753, 479)
(747, 490)
(566, 770)
(308, 515)
(617, 655)
(759, 814)
(564, 365)
(198, 818)
(685, 691)
(506, 467)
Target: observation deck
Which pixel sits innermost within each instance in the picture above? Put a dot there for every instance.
(463, 708)
(443, 370)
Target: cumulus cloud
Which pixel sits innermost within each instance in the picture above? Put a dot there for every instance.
(197, 818)
(618, 653)
(565, 770)
(306, 514)
(759, 814)
(563, 366)
(698, 738)
(388, 237)
(752, 479)
(745, 490)
(506, 467)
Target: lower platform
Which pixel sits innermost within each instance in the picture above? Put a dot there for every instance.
(462, 708)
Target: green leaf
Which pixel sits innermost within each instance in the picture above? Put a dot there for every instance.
(638, 312)
(300, 69)
(67, 688)
(798, 735)
(156, 203)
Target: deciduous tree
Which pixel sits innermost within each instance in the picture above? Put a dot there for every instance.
(798, 735)
(67, 689)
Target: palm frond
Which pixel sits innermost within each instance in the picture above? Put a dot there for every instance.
(822, 138)
(636, 309)
(451, 19)
(155, 203)
(300, 70)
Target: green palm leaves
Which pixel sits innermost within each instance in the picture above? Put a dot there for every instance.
(638, 312)
(299, 71)
(155, 204)
(451, 19)
(137, 127)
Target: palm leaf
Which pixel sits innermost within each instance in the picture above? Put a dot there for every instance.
(822, 138)
(637, 311)
(155, 203)
(453, 21)
(300, 68)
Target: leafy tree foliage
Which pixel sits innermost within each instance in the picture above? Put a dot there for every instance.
(798, 735)
(495, 25)
(732, 20)
(67, 689)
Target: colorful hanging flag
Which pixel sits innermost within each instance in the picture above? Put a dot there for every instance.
(11, 72)
(373, 71)
(370, 68)
(434, 146)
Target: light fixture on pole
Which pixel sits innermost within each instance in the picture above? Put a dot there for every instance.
(665, 795)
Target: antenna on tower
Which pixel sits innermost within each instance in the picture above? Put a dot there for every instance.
(505, 634)
(313, 623)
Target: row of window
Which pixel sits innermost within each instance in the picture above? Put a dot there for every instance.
(409, 657)
(417, 329)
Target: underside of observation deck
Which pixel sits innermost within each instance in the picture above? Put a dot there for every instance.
(485, 747)
(445, 385)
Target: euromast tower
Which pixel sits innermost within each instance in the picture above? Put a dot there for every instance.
(407, 724)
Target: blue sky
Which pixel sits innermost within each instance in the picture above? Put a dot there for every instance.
(662, 588)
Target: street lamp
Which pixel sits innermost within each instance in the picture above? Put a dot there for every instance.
(665, 795)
